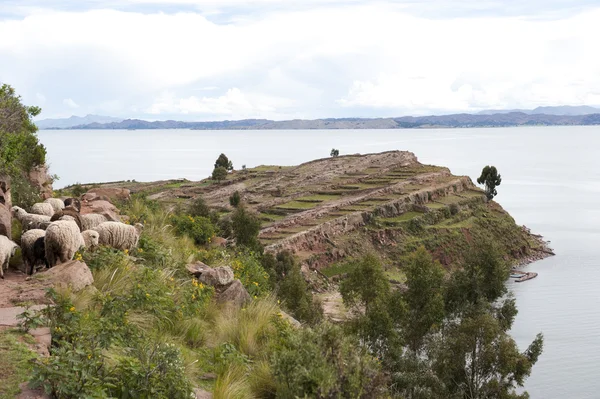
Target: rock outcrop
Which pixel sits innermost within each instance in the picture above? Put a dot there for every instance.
(227, 288)
(109, 193)
(74, 274)
(5, 205)
(42, 180)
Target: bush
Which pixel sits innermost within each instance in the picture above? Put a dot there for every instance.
(199, 228)
(298, 299)
(223, 162)
(77, 190)
(246, 227)
(199, 208)
(454, 209)
(324, 363)
(235, 199)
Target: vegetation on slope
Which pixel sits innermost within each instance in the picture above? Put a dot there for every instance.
(20, 150)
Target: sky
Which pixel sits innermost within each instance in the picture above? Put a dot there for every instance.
(285, 59)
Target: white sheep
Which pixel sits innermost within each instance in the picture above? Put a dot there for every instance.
(63, 239)
(92, 220)
(119, 235)
(29, 220)
(91, 238)
(42, 208)
(33, 254)
(7, 250)
(56, 203)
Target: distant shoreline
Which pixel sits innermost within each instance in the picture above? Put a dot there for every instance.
(512, 119)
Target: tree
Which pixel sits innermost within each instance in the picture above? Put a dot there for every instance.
(334, 152)
(235, 199)
(424, 297)
(246, 226)
(365, 284)
(476, 358)
(224, 162)
(297, 298)
(219, 173)
(490, 178)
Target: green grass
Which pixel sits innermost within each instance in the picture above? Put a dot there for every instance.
(296, 205)
(318, 198)
(449, 199)
(402, 218)
(336, 269)
(434, 205)
(452, 224)
(15, 362)
(472, 193)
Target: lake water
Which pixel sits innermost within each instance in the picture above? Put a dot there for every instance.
(551, 183)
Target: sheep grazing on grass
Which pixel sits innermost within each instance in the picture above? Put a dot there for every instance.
(56, 203)
(33, 248)
(7, 250)
(92, 220)
(63, 239)
(42, 208)
(69, 212)
(91, 238)
(119, 235)
(29, 220)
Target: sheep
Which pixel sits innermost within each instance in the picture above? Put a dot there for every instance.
(92, 220)
(42, 208)
(119, 235)
(33, 249)
(7, 250)
(63, 239)
(75, 203)
(29, 220)
(91, 238)
(56, 203)
(69, 212)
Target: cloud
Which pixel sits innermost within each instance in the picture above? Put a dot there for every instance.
(70, 103)
(333, 58)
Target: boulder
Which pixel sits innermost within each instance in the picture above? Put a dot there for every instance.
(235, 293)
(197, 268)
(74, 274)
(213, 276)
(5, 221)
(112, 194)
(41, 179)
(5, 205)
(101, 207)
(200, 393)
(217, 277)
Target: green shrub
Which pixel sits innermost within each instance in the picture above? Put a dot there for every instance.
(246, 226)
(199, 208)
(77, 190)
(298, 299)
(198, 228)
(235, 199)
(248, 269)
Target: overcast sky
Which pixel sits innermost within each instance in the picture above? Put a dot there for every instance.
(224, 59)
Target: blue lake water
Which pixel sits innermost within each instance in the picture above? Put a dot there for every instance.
(550, 183)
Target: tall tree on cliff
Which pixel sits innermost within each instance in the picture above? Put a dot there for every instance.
(20, 150)
(491, 179)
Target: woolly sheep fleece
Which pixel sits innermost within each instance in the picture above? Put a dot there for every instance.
(119, 235)
(91, 238)
(7, 249)
(63, 239)
(92, 220)
(28, 240)
(29, 220)
(56, 203)
(42, 208)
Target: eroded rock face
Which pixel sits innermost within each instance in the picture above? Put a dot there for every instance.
(5, 205)
(110, 193)
(102, 207)
(74, 274)
(41, 179)
(235, 293)
(227, 289)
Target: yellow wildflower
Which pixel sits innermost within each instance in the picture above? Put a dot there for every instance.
(126, 252)
(140, 250)
(72, 309)
(147, 295)
(201, 286)
(89, 356)
(255, 283)
(193, 297)
(195, 283)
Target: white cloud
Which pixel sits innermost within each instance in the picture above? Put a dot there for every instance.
(70, 103)
(322, 61)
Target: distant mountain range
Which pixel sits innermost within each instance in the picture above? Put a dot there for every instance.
(560, 110)
(541, 116)
(67, 123)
